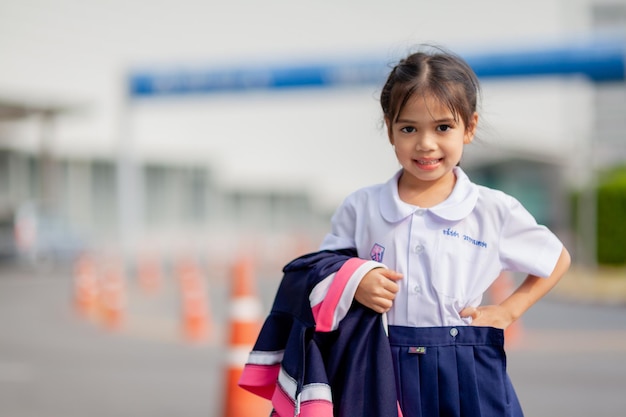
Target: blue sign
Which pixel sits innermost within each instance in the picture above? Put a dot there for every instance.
(259, 78)
(598, 59)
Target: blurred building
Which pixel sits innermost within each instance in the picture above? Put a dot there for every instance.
(228, 162)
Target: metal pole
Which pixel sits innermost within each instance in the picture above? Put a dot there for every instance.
(130, 191)
(47, 174)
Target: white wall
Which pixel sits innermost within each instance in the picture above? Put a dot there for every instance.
(78, 53)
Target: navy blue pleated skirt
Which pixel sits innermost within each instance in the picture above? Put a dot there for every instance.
(452, 372)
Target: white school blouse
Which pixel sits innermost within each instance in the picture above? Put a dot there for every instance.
(449, 254)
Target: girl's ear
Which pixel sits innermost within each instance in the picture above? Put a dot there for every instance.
(470, 131)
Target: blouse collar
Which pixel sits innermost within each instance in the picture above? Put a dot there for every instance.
(457, 206)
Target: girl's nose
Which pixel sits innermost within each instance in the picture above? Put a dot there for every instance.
(425, 142)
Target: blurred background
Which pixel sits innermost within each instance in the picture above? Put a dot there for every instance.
(186, 137)
(193, 122)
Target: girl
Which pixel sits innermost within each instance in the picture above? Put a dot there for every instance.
(443, 240)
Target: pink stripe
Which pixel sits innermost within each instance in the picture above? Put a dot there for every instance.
(316, 311)
(324, 319)
(260, 379)
(317, 408)
(284, 406)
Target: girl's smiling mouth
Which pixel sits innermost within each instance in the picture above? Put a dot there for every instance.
(428, 164)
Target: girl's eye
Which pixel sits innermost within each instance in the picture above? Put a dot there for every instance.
(444, 128)
(408, 129)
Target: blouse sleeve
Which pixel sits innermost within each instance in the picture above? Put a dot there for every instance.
(343, 228)
(526, 246)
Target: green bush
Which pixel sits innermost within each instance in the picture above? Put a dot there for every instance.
(611, 218)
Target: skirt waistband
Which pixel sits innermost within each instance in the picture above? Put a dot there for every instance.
(445, 336)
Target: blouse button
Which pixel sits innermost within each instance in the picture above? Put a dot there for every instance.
(420, 212)
(418, 248)
(417, 288)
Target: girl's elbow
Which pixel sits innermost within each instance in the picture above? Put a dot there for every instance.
(565, 260)
(567, 256)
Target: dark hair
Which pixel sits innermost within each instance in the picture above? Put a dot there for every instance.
(436, 72)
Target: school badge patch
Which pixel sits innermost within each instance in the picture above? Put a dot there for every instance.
(377, 252)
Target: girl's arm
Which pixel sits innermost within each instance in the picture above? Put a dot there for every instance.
(528, 293)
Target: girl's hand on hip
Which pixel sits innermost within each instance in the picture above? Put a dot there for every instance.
(489, 315)
(378, 289)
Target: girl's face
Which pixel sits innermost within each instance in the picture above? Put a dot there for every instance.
(428, 141)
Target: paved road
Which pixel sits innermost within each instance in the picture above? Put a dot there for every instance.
(571, 360)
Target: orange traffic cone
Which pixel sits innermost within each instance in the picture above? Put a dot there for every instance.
(85, 286)
(112, 296)
(195, 316)
(501, 288)
(186, 269)
(245, 323)
(149, 272)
